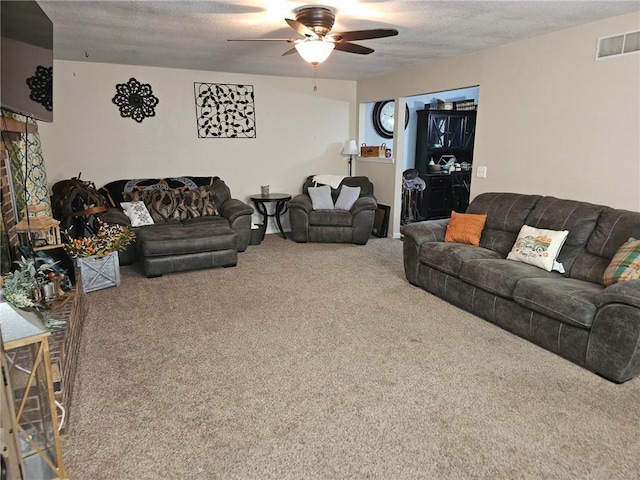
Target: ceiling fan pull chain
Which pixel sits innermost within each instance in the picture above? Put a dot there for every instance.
(315, 78)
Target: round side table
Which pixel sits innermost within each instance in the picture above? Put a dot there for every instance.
(280, 200)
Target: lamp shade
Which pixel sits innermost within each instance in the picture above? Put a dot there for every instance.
(350, 148)
(315, 51)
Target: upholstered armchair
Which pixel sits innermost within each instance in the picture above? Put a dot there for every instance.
(333, 225)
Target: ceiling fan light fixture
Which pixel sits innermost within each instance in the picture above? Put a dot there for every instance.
(315, 51)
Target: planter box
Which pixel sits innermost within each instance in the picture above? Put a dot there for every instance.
(99, 272)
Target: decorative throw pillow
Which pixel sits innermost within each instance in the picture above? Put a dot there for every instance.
(137, 213)
(134, 196)
(208, 204)
(185, 201)
(162, 204)
(347, 197)
(321, 197)
(465, 228)
(625, 264)
(537, 246)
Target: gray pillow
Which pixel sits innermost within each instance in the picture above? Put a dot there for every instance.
(321, 197)
(348, 196)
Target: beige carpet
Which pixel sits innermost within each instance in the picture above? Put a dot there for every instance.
(319, 361)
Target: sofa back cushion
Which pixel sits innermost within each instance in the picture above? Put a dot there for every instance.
(366, 187)
(613, 228)
(579, 218)
(175, 204)
(506, 213)
(113, 191)
(219, 191)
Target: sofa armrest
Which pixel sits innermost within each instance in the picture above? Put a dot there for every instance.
(364, 203)
(302, 202)
(429, 231)
(299, 208)
(234, 208)
(626, 293)
(615, 333)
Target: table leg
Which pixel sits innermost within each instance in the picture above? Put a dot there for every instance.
(262, 210)
(281, 208)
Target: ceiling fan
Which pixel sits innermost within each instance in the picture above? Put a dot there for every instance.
(314, 23)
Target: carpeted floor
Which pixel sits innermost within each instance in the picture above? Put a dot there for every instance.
(320, 361)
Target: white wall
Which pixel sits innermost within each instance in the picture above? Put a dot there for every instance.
(299, 132)
(553, 120)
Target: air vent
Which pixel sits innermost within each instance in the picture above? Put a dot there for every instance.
(618, 45)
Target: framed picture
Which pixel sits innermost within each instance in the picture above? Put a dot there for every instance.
(381, 221)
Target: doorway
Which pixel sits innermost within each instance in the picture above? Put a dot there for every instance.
(438, 154)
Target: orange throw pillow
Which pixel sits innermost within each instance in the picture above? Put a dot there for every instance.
(465, 228)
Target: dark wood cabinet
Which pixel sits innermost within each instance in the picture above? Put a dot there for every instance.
(443, 193)
(444, 132)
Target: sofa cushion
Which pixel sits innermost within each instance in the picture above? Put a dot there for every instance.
(335, 218)
(215, 219)
(177, 239)
(137, 213)
(566, 299)
(114, 191)
(506, 213)
(538, 246)
(165, 205)
(196, 203)
(579, 218)
(347, 197)
(175, 204)
(614, 227)
(625, 264)
(366, 187)
(321, 197)
(499, 276)
(448, 257)
(465, 228)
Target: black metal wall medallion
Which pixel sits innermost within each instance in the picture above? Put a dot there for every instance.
(225, 111)
(135, 100)
(41, 86)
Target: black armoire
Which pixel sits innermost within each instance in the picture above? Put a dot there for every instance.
(444, 132)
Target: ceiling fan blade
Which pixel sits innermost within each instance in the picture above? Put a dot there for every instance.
(301, 28)
(290, 40)
(291, 51)
(363, 34)
(353, 48)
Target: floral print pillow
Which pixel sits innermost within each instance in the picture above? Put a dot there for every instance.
(137, 213)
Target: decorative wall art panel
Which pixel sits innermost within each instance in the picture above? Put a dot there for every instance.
(225, 111)
(27, 169)
(135, 100)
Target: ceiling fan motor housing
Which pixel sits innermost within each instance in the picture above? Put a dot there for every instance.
(318, 18)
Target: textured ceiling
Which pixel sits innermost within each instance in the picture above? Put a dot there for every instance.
(193, 34)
